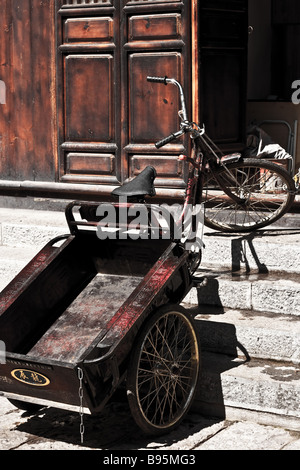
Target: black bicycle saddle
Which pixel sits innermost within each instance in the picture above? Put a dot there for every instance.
(141, 186)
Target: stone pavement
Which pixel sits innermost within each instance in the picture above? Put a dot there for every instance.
(114, 430)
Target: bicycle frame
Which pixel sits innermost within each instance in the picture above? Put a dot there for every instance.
(197, 161)
(244, 183)
(204, 154)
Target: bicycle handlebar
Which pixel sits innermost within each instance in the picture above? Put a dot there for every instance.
(168, 139)
(185, 123)
(158, 79)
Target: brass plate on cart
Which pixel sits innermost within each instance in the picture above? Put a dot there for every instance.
(30, 377)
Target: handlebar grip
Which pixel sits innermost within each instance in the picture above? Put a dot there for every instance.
(158, 79)
(165, 141)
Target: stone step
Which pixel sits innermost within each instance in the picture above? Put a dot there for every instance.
(249, 334)
(267, 392)
(267, 250)
(274, 293)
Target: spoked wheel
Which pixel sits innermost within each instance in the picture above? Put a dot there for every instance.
(163, 370)
(253, 194)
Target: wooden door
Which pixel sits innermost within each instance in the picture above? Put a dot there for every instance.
(78, 107)
(28, 105)
(112, 116)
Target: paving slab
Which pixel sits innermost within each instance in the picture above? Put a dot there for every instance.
(249, 436)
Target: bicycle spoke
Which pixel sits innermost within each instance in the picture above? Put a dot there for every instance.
(166, 372)
(260, 193)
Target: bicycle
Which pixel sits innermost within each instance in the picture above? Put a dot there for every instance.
(239, 194)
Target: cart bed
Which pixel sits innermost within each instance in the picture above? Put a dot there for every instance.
(73, 332)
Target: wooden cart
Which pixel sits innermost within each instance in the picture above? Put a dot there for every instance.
(88, 314)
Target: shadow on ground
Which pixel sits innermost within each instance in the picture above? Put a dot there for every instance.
(113, 429)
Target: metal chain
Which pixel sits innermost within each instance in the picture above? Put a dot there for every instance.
(81, 413)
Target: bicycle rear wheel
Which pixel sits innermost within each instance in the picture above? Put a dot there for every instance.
(247, 195)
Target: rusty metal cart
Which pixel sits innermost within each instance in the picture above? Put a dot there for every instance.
(88, 314)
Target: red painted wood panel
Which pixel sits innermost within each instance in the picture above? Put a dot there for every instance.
(27, 119)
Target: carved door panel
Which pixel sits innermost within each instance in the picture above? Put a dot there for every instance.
(90, 94)
(112, 115)
(157, 44)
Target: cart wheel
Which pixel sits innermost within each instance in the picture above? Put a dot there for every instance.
(163, 370)
(22, 405)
